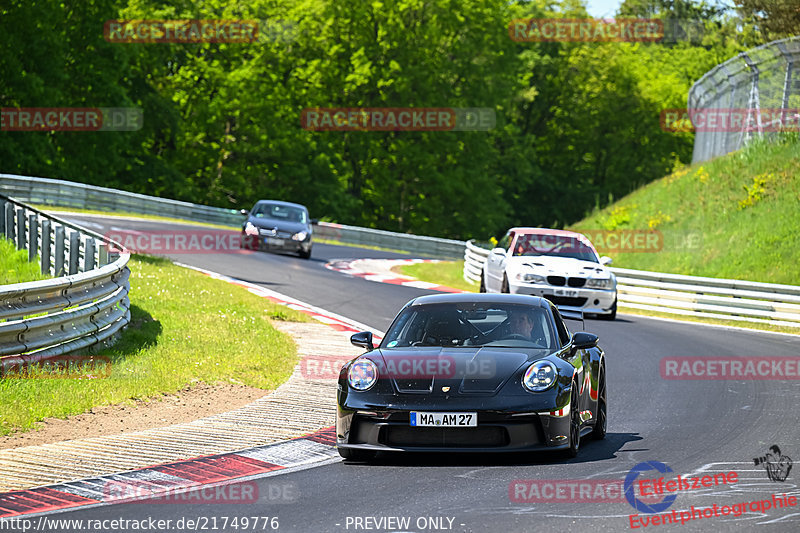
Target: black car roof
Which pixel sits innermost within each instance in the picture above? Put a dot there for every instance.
(467, 297)
(281, 202)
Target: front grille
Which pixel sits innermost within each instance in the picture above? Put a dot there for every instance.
(576, 282)
(566, 300)
(556, 280)
(478, 437)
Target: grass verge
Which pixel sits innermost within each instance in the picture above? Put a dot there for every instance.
(14, 265)
(448, 273)
(185, 328)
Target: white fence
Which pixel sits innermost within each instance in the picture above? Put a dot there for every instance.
(725, 299)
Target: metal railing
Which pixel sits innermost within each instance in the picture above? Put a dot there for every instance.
(66, 194)
(725, 299)
(764, 78)
(86, 303)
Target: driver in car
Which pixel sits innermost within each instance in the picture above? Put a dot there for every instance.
(520, 323)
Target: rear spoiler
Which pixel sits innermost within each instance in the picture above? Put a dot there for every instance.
(571, 314)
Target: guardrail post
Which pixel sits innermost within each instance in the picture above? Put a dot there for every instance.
(88, 253)
(9, 217)
(20, 228)
(74, 252)
(3, 205)
(45, 255)
(33, 236)
(58, 269)
(102, 254)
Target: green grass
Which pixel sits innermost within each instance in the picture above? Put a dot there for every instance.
(448, 273)
(185, 328)
(14, 265)
(734, 217)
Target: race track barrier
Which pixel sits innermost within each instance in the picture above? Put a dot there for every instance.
(724, 299)
(85, 304)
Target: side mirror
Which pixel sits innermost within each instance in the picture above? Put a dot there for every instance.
(314, 221)
(605, 260)
(583, 341)
(499, 251)
(362, 339)
(244, 212)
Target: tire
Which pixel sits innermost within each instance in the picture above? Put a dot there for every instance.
(612, 315)
(304, 255)
(349, 454)
(599, 431)
(574, 425)
(504, 289)
(483, 284)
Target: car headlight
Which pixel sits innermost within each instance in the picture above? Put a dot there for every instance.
(530, 278)
(362, 374)
(250, 229)
(540, 376)
(599, 283)
(299, 236)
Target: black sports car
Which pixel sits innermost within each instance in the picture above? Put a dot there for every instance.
(472, 372)
(278, 226)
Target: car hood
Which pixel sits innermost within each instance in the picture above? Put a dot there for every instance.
(282, 225)
(465, 370)
(546, 265)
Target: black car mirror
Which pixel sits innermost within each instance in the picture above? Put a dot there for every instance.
(314, 221)
(583, 340)
(362, 339)
(244, 212)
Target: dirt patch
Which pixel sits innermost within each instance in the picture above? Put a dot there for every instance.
(187, 405)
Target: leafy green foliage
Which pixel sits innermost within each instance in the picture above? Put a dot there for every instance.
(577, 123)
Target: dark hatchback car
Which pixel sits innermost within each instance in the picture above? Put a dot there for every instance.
(472, 372)
(278, 226)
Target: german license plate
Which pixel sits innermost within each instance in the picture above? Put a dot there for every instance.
(566, 292)
(446, 420)
(272, 241)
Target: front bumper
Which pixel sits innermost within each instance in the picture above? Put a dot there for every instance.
(390, 430)
(275, 244)
(595, 301)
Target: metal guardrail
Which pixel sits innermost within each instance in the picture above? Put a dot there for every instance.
(84, 305)
(430, 246)
(725, 299)
(764, 78)
(60, 193)
(66, 194)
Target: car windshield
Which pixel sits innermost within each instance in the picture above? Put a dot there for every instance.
(280, 212)
(554, 245)
(471, 325)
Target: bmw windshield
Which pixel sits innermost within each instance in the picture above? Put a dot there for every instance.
(554, 245)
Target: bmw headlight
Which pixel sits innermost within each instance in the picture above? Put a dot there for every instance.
(362, 374)
(540, 376)
(599, 283)
(250, 229)
(299, 236)
(530, 277)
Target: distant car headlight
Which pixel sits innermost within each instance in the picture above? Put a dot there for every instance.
(599, 283)
(540, 376)
(530, 278)
(299, 236)
(362, 375)
(250, 229)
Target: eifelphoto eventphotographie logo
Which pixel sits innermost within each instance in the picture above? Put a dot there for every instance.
(775, 463)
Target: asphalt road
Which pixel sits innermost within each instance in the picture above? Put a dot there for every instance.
(692, 426)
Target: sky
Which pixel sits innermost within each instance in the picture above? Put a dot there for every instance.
(607, 8)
